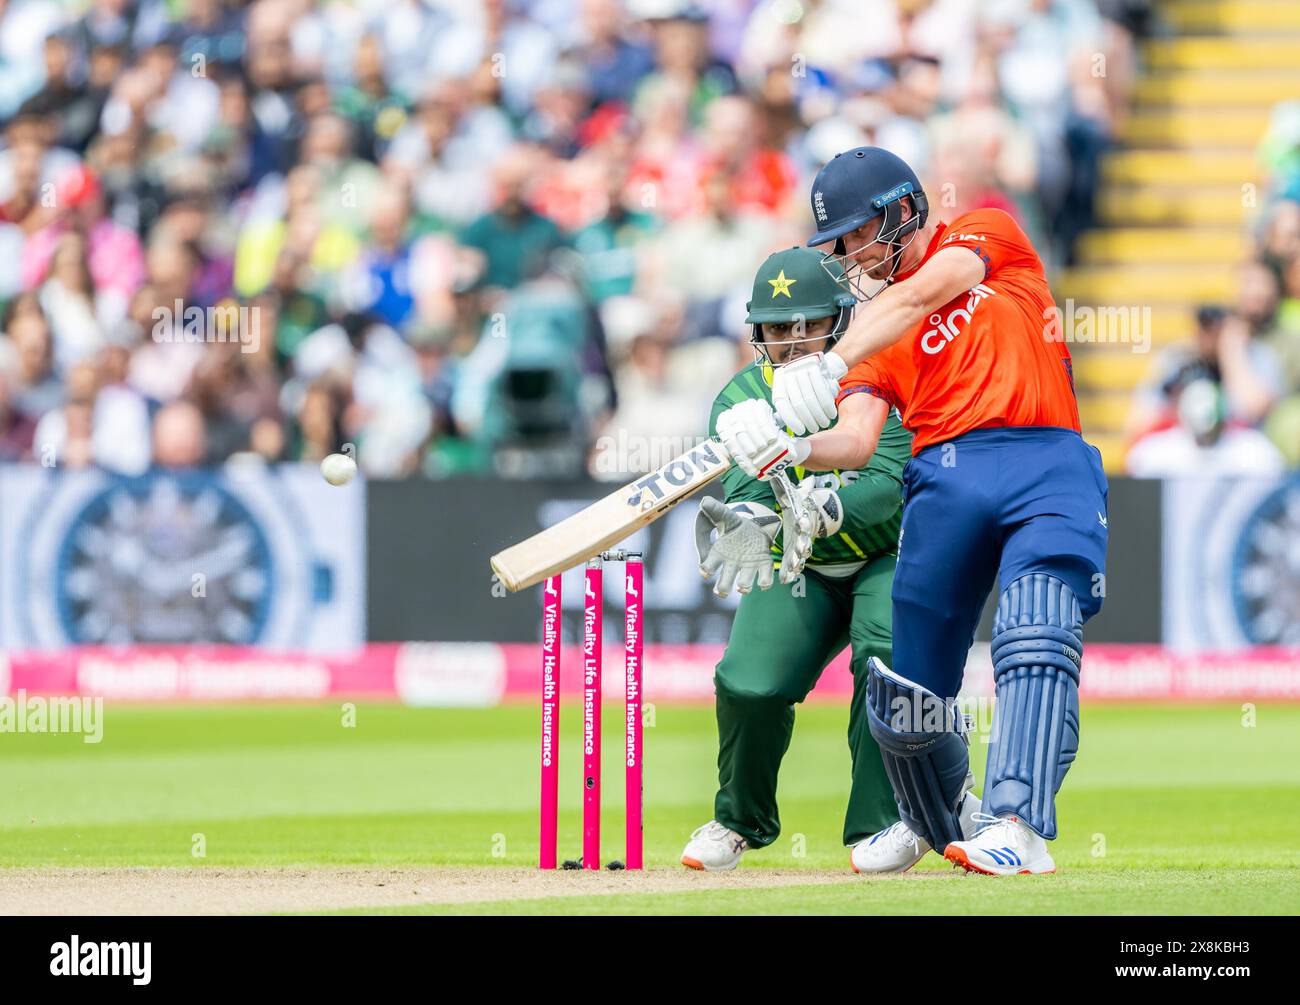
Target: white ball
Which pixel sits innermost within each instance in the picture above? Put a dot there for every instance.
(338, 469)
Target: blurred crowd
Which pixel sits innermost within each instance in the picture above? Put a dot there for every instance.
(1228, 400)
(501, 235)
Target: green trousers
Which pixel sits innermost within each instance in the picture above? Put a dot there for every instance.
(780, 643)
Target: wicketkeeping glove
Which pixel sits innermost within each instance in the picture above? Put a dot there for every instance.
(807, 512)
(823, 504)
(741, 554)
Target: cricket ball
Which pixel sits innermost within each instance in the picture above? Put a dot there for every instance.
(338, 469)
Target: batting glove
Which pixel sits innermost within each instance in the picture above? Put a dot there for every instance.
(756, 443)
(805, 390)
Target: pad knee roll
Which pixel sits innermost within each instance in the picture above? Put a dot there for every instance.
(1037, 651)
(923, 750)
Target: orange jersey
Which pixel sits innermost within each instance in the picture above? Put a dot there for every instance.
(992, 356)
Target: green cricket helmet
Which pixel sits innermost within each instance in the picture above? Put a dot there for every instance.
(797, 285)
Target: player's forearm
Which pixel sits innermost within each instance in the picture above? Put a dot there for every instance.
(880, 323)
(839, 449)
(848, 445)
(898, 309)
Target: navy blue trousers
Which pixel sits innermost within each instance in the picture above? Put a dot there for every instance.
(991, 504)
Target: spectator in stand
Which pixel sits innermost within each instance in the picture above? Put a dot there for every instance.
(16, 430)
(515, 239)
(651, 406)
(211, 391)
(443, 149)
(1252, 375)
(36, 388)
(76, 106)
(113, 252)
(187, 219)
(213, 32)
(179, 436)
(347, 183)
(374, 109)
(1203, 441)
(121, 417)
(562, 102)
(679, 30)
(428, 161)
(68, 300)
(1228, 350)
(319, 424)
(986, 156)
(275, 126)
(763, 179)
(65, 436)
(387, 413)
(705, 257)
(609, 246)
(615, 62)
(383, 276)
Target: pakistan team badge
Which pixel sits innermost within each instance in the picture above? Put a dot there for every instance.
(781, 286)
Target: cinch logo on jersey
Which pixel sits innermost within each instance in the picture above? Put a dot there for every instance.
(648, 491)
(945, 328)
(963, 237)
(75, 958)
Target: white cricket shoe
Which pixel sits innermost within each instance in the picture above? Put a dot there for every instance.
(1003, 846)
(898, 848)
(714, 848)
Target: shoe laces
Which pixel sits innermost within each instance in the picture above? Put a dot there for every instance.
(715, 831)
(901, 836)
(985, 822)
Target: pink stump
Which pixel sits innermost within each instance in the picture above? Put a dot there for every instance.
(550, 723)
(591, 657)
(632, 664)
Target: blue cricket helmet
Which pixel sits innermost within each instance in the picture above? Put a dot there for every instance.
(858, 185)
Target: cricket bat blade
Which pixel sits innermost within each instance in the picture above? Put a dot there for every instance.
(608, 521)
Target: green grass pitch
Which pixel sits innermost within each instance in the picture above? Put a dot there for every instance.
(1169, 809)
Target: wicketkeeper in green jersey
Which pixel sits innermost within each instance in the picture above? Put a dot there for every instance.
(785, 633)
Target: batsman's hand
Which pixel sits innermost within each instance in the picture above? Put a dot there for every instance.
(805, 390)
(759, 446)
(741, 554)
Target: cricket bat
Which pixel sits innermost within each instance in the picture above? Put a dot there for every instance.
(607, 521)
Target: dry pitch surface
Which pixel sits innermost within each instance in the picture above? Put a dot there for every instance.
(262, 891)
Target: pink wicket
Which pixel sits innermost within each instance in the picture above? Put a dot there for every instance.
(550, 814)
(632, 653)
(592, 665)
(592, 611)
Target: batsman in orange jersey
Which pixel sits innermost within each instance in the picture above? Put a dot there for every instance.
(958, 331)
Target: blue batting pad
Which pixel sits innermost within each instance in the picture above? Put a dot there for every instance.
(1037, 649)
(924, 752)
